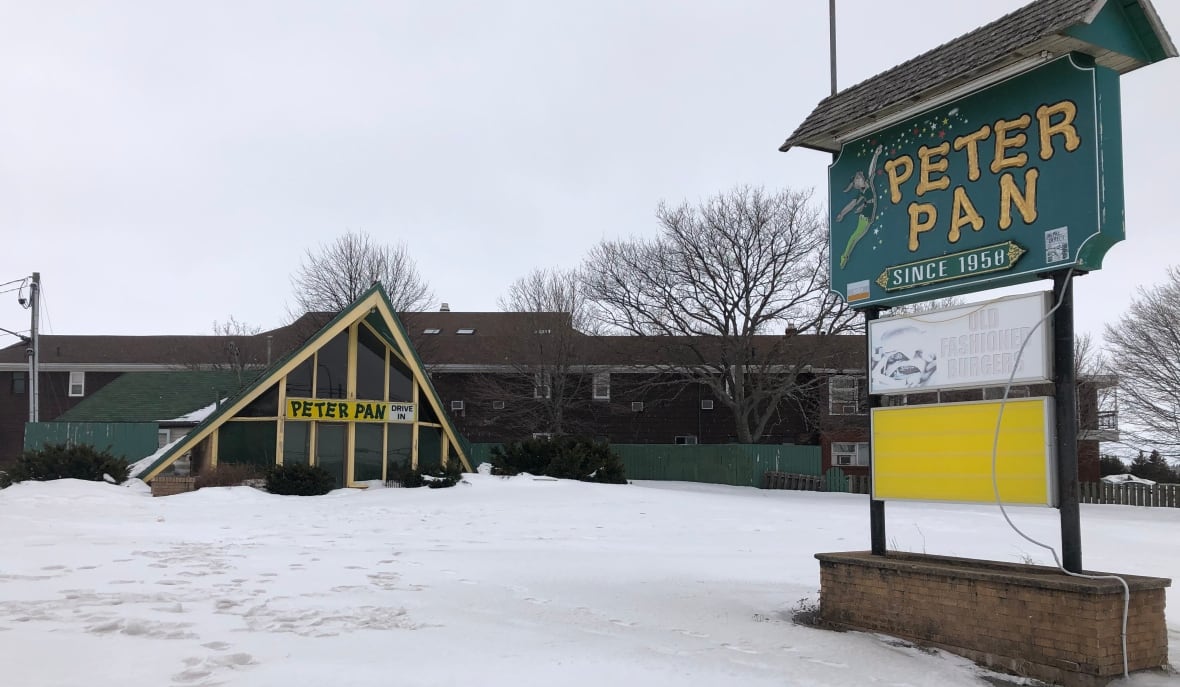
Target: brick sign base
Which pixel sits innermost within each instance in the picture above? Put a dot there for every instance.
(1028, 620)
(167, 485)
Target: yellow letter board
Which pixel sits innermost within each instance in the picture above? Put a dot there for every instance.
(944, 452)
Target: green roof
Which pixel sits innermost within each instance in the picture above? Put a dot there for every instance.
(157, 396)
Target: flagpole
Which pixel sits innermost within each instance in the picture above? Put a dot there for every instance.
(832, 40)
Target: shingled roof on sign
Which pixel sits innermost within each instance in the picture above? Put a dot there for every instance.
(1122, 35)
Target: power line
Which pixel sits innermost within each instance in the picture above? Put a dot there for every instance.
(45, 307)
(14, 281)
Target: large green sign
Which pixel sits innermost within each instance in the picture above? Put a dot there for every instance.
(999, 187)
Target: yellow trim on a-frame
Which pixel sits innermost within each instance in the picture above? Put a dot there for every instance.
(351, 322)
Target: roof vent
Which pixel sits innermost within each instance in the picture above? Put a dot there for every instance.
(445, 307)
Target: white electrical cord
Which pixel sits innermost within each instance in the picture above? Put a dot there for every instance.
(996, 484)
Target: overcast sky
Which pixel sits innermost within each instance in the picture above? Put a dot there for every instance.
(166, 164)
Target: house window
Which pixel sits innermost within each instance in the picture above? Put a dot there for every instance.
(686, 439)
(542, 385)
(637, 406)
(456, 405)
(497, 405)
(844, 395)
(20, 382)
(163, 436)
(465, 330)
(707, 404)
(77, 384)
(602, 386)
(846, 453)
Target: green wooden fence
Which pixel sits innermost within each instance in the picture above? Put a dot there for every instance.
(130, 440)
(741, 465)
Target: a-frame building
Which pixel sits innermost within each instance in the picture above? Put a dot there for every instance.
(353, 399)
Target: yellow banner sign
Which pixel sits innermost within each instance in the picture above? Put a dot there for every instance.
(349, 411)
(944, 452)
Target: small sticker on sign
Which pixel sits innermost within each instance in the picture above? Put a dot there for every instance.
(1057, 245)
(858, 290)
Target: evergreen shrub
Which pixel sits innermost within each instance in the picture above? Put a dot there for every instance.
(561, 457)
(299, 480)
(60, 461)
(436, 478)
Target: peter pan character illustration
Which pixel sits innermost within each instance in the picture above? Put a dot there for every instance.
(864, 205)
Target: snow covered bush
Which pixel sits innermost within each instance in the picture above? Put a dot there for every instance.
(299, 480)
(59, 461)
(561, 457)
(437, 478)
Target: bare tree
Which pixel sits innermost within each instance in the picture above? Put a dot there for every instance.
(719, 278)
(333, 275)
(1088, 358)
(545, 377)
(1144, 348)
(238, 339)
(234, 327)
(549, 291)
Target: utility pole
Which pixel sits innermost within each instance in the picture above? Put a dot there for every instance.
(35, 350)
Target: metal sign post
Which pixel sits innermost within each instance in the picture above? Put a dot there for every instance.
(1065, 376)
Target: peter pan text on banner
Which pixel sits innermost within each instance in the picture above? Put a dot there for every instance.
(349, 411)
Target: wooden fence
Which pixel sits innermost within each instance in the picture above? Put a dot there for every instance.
(794, 481)
(833, 480)
(1158, 495)
(860, 484)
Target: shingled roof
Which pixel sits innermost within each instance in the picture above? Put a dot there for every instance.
(1053, 26)
(157, 396)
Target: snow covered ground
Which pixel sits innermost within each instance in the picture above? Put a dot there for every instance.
(494, 582)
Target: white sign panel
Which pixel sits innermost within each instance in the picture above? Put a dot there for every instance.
(401, 412)
(964, 346)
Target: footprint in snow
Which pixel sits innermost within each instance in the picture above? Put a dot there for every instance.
(829, 664)
(696, 635)
(190, 675)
